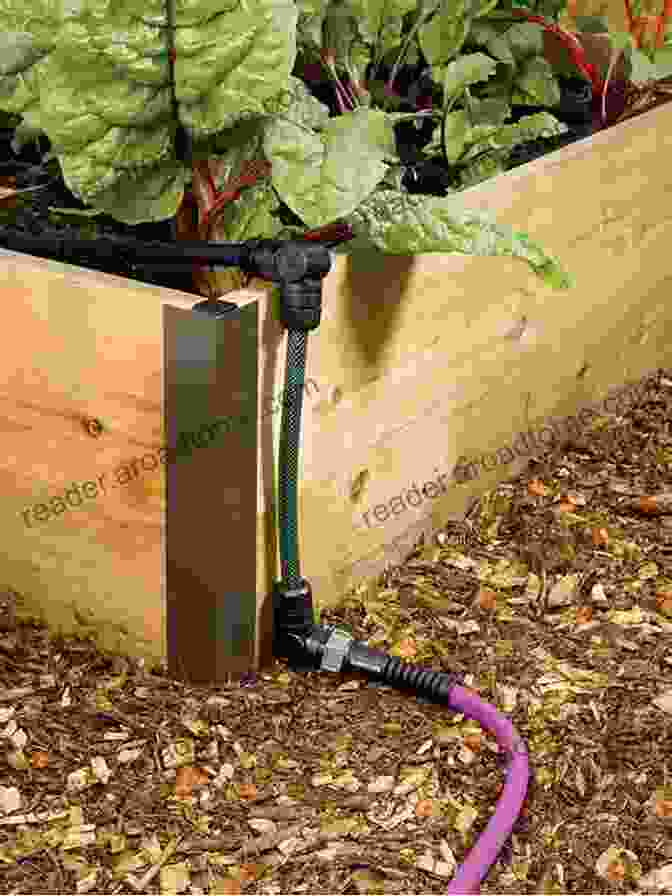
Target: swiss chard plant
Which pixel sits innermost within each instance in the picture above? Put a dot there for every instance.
(645, 49)
(203, 110)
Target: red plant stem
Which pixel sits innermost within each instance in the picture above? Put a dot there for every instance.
(638, 29)
(232, 194)
(348, 91)
(631, 21)
(576, 52)
(216, 199)
(642, 28)
(639, 26)
(250, 174)
(201, 170)
(653, 33)
(344, 98)
(660, 31)
(341, 97)
(338, 230)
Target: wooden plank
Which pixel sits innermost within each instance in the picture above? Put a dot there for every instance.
(210, 387)
(81, 346)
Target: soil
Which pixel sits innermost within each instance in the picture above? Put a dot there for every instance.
(34, 197)
(553, 596)
(40, 187)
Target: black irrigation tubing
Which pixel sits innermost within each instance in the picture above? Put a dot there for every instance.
(17, 164)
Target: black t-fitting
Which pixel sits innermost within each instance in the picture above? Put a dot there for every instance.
(299, 268)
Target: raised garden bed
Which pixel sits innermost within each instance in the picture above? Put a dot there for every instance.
(419, 361)
(422, 360)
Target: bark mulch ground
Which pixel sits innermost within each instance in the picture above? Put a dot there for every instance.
(554, 596)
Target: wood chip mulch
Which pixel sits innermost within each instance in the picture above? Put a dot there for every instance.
(553, 597)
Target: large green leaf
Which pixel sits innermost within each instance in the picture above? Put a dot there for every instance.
(481, 169)
(297, 104)
(459, 132)
(525, 39)
(380, 21)
(311, 17)
(465, 126)
(642, 68)
(484, 34)
(511, 44)
(483, 31)
(339, 31)
(232, 149)
(324, 176)
(95, 77)
(231, 57)
(22, 54)
(250, 216)
(442, 37)
(591, 25)
(463, 139)
(499, 47)
(480, 8)
(19, 52)
(488, 111)
(402, 224)
(508, 136)
(537, 83)
(663, 62)
(464, 71)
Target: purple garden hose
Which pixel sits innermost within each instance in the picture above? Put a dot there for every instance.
(444, 687)
(471, 872)
(337, 651)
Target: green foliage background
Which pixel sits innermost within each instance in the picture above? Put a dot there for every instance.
(95, 76)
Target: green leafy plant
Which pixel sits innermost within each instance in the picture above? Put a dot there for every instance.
(644, 64)
(645, 49)
(470, 133)
(162, 107)
(473, 133)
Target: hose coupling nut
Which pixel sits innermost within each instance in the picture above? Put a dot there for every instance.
(336, 650)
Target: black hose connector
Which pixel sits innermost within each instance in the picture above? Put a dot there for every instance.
(293, 622)
(299, 267)
(404, 676)
(333, 649)
(301, 305)
(286, 261)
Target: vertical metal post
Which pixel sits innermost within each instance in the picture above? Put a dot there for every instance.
(210, 412)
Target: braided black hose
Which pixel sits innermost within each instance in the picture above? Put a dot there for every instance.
(288, 459)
